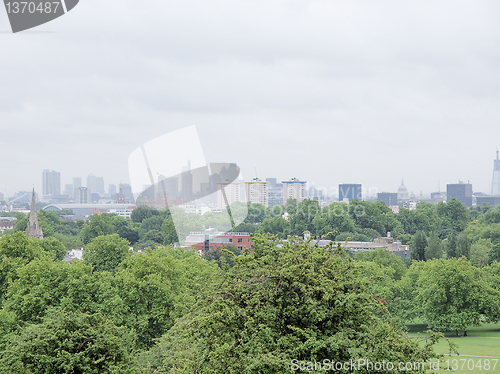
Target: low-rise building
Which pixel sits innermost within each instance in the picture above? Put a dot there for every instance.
(212, 239)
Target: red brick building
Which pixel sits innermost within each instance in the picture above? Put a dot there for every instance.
(211, 239)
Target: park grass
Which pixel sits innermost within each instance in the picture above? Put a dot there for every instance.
(481, 341)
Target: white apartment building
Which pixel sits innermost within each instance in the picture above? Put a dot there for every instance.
(257, 192)
(228, 193)
(294, 189)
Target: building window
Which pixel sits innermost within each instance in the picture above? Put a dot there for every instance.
(240, 240)
(230, 240)
(240, 248)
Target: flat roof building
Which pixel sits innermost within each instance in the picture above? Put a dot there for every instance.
(349, 192)
(257, 192)
(294, 189)
(460, 191)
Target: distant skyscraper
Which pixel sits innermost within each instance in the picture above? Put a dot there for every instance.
(2, 198)
(495, 185)
(403, 192)
(126, 190)
(460, 191)
(272, 182)
(257, 192)
(187, 183)
(112, 190)
(99, 186)
(389, 198)
(77, 182)
(350, 192)
(82, 195)
(228, 193)
(294, 189)
(51, 182)
(68, 190)
(34, 229)
(92, 183)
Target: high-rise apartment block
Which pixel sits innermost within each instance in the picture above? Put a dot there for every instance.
(51, 183)
(82, 195)
(349, 192)
(460, 191)
(257, 192)
(228, 193)
(294, 189)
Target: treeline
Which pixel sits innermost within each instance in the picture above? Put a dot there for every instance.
(441, 230)
(170, 311)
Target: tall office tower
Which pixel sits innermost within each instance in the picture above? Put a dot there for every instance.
(68, 190)
(389, 198)
(187, 183)
(99, 186)
(349, 192)
(172, 187)
(92, 183)
(82, 195)
(77, 182)
(51, 182)
(126, 190)
(257, 192)
(294, 189)
(2, 198)
(228, 193)
(112, 190)
(272, 182)
(460, 191)
(495, 185)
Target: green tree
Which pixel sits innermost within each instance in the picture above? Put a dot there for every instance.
(168, 231)
(418, 247)
(454, 216)
(69, 343)
(454, 294)
(106, 252)
(228, 253)
(15, 251)
(55, 246)
(479, 255)
(463, 245)
(156, 287)
(451, 246)
(126, 229)
(97, 225)
(276, 226)
(285, 301)
(384, 258)
(140, 213)
(494, 254)
(434, 247)
(44, 284)
(151, 223)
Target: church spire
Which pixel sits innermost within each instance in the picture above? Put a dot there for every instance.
(34, 230)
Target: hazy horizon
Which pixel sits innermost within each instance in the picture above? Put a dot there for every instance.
(326, 91)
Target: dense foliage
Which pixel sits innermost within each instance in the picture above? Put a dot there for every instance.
(170, 310)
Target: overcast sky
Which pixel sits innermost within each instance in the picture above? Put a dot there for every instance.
(327, 91)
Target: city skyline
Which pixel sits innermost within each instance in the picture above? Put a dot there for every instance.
(359, 93)
(367, 191)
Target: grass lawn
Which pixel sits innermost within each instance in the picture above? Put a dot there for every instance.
(481, 341)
